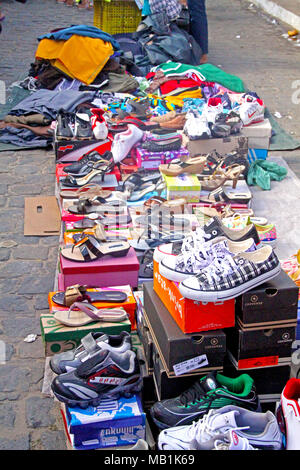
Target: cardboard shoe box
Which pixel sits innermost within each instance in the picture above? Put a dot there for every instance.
(152, 160)
(271, 303)
(260, 347)
(258, 134)
(226, 145)
(184, 185)
(203, 350)
(192, 316)
(70, 151)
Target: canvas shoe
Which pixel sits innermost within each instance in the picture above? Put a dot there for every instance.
(90, 345)
(98, 123)
(290, 408)
(260, 429)
(210, 392)
(103, 375)
(228, 277)
(251, 110)
(178, 268)
(124, 141)
(228, 441)
(212, 229)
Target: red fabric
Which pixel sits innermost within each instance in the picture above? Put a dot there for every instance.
(172, 85)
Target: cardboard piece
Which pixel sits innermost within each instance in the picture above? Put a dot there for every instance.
(229, 144)
(41, 216)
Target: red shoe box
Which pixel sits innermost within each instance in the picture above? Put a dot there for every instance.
(70, 151)
(61, 174)
(129, 164)
(105, 272)
(192, 316)
(152, 160)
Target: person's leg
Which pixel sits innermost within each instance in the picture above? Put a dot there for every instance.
(199, 28)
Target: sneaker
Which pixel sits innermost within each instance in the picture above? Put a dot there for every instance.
(290, 408)
(178, 268)
(260, 429)
(105, 374)
(214, 228)
(124, 141)
(212, 391)
(227, 124)
(228, 441)
(212, 109)
(64, 129)
(98, 123)
(251, 110)
(228, 277)
(83, 128)
(196, 126)
(90, 344)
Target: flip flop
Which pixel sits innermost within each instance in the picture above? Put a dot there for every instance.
(89, 249)
(88, 313)
(90, 221)
(78, 293)
(89, 206)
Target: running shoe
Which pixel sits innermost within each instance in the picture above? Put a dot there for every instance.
(213, 229)
(104, 375)
(290, 410)
(251, 110)
(196, 126)
(228, 441)
(90, 345)
(212, 391)
(231, 276)
(178, 268)
(260, 429)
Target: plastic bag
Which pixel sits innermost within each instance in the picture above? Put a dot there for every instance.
(262, 172)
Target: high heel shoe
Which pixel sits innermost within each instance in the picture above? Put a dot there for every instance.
(219, 178)
(192, 165)
(97, 170)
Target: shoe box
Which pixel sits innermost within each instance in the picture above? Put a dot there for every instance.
(152, 160)
(181, 352)
(146, 339)
(260, 347)
(129, 305)
(184, 185)
(273, 303)
(70, 151)
(269, 381)
(258, 134)
(224, 145)
(108, 271)
(192, 316)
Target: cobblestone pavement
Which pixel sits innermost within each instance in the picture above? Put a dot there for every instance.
(268, 64)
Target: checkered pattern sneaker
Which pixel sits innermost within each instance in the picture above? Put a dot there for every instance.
(178, 268)
(228, 277)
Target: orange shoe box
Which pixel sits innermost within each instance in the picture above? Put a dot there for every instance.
(129, 305)
(192, 316)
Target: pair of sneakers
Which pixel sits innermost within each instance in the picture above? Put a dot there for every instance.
(101, 367)
(216, 263)
(73, 126)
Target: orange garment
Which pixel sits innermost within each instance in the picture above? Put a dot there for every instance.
(79, 57)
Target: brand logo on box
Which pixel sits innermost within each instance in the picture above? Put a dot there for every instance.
(254, 301)
(286, 338)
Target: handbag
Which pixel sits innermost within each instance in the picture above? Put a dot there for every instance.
(183, 20)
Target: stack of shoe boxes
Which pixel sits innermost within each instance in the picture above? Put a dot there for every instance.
(261, 342)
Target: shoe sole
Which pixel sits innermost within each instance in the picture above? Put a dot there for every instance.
(173, 275)
(125, 391)
(216, 296)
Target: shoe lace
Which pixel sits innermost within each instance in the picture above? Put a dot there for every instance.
(193, 394)
(219, 266)
(193, 259)
(195, 238)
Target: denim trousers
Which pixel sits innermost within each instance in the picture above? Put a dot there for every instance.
(199, 27)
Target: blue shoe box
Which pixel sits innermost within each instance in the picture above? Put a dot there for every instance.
(112, 423)
(257, 154)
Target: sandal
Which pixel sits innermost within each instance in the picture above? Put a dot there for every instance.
(89, 191)
(79, 293)
(97, 170)
(219, 177)
(84, 313)
(89, 249)
(219, 195)
(90, 221)
(98, 205)
(193, 165)
(146, 265)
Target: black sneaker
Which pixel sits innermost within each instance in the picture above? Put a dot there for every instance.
(213, 229)
(83, 127)
(104, 375)
(83, 166)
(90, 344)
(210, 392)
(64, 123)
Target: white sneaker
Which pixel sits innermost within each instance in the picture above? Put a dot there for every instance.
(260, 429)
(98, 123)
(124, 141)
(290, 405)
(212, 109)
(251, 110)
(196, 127)
(228, 441)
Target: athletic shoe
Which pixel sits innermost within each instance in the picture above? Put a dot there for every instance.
(90, 344)
(124, 141)
(211, 391)
(251, 110)
(213, 229)
(196, 126)
(261, 429)
(104, 375)
(178, 268)
(228, 441)
(228, 277)
(212, 109)
(290, 409)
(98, 123)
(83, 128)
(64, 129)
(227, 124)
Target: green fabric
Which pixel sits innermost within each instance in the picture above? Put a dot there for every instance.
(280, 139)
(209, 71)
(262, 172)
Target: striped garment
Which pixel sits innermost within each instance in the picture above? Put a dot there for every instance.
(171, 7)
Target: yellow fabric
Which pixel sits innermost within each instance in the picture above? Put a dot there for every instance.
(79, 57)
